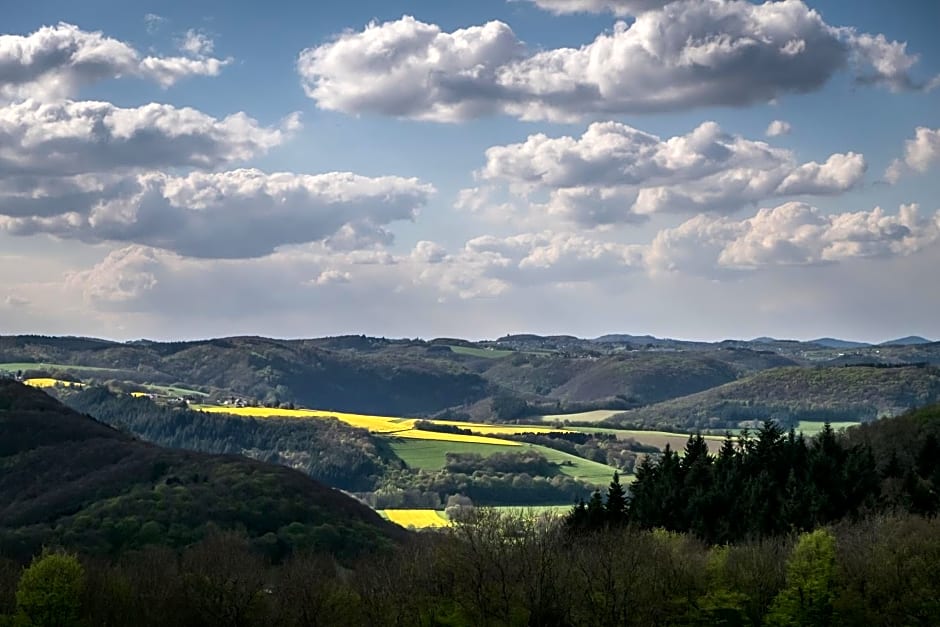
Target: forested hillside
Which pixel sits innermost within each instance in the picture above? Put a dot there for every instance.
(400, 377)
(326, 450)
(66, 479)
(789, 395)
(703, 385)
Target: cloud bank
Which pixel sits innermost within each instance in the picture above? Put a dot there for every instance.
(616, 174)
(54, 62)
(682, 55)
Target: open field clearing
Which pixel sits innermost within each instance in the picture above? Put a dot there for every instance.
(485, 429)
(417, 434)
(436, 519)
(45, 382)
(26, 365)
(399, 427)
(375, 424)
(580, 468)
(598, 415)
(659, 439)
(480, 352)
(169, 390)
(811, 429)
(417, 518)
(430, 454)
(534, 510)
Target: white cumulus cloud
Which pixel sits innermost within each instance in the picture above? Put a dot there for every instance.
(615, 173)
(681, 55)
(54, 62)
(233, 214)
(919, 154)
(792, 234)
(778, 128)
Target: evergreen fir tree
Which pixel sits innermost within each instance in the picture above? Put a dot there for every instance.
(595, 511)
(616, 506)
(578, 516)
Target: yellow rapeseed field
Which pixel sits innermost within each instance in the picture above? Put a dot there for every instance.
(387, 425)
(417, 434)
(376, 424)
(485, 429)
(417, 518)
(45, 382)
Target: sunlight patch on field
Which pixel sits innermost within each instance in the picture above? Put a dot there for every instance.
(486, 353)
(417, 518)
(389, 425)
(375, 424)
(46, 382)
(487, 429)
(811, 428)
(659, 439)
(417, 434)
(598, 415)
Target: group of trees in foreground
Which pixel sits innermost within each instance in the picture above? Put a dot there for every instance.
(503, 570)
(771, 483)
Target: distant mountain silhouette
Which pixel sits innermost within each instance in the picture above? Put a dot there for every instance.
(910, 340)
(832, 342)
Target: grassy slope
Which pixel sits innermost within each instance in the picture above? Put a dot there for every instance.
(431, 455)
(485, 353)
(659, 439)
(810, 428)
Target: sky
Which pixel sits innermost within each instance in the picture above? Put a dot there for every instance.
(700, 169)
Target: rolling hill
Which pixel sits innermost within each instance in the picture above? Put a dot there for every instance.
(789, 395)
(910, 340)
(70, 480)
(638, 377)
(402, 377)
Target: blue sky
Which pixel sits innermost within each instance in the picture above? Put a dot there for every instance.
(303, 174)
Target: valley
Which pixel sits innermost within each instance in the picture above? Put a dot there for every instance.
(523, 421)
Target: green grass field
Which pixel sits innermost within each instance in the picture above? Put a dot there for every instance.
(430, 455)
(811, 429)
(486, 353)
(580, 468)
(169, 390)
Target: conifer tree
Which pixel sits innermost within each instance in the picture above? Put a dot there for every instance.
(616, 506)
(595, 511)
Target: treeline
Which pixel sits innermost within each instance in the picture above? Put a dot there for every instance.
(724, 414)
(503, 571)
(422, 489)
(769, 484)
(327, 450)
(793, 394)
